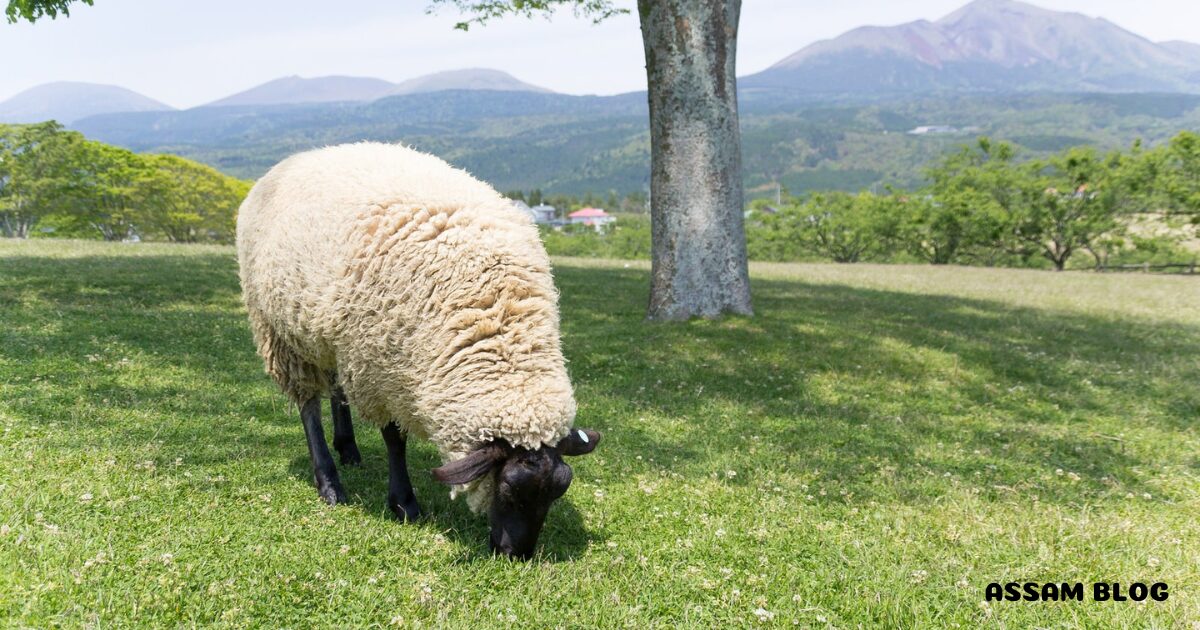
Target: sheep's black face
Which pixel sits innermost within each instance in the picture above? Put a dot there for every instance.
(526, 483)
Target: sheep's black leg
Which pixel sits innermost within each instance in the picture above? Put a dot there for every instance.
(324, 472)
(401, 498)
(343, 428)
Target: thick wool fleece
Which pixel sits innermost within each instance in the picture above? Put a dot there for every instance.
(424, 291)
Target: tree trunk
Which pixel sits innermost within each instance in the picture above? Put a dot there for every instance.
(699, 244)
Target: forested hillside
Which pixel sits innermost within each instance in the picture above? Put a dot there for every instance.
(579, 144)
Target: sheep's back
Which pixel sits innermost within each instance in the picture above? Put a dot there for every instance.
(296, 228)
(426, 289)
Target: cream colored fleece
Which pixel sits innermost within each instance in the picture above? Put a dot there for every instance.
(425, 290)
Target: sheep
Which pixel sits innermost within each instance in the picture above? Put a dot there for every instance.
(404, 287)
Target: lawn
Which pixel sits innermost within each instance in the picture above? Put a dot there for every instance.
(871, 449)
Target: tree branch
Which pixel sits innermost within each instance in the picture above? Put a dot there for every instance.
(486, 10)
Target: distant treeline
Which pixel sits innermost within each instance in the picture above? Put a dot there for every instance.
(56, 182)
(983, 205)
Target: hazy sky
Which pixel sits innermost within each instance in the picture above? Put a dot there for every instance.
(186, 53)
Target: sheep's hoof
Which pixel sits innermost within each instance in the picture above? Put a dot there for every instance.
(406, 511)
(350, 456)
(332, 493)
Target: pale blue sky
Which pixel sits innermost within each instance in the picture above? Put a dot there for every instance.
(186, 52)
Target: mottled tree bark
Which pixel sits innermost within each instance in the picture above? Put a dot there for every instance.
(699, 250)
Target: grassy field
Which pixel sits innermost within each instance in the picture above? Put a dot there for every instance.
(870, 450)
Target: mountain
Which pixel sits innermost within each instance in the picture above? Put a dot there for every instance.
(1187, 50)
(296, 89)
(469, 79)
(67, 102)
(988, 45)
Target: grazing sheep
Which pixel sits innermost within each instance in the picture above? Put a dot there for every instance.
(414, 292)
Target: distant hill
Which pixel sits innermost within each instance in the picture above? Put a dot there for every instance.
(988, 45)
(315, 90)
(578, 144)
(469, 79)
(299, 90)
(1188, 51)
(67, 102)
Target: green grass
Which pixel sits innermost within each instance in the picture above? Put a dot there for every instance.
(871, 449)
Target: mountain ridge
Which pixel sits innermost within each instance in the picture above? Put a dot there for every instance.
(295, 89)
(69, 101)
(992, 45)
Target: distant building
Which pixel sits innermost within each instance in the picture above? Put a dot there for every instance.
(929, 130)
(594, 217)
(543, 213)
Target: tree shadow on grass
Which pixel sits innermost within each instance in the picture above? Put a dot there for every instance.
(860, 383)
(864, 385)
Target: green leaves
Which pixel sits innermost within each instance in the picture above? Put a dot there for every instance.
(35, 173)
(1053, 208)
(1178, 174)
(839, 226)
(87, 188)
(188, 202)
(32, 10)
(986, 205)
(482, 11)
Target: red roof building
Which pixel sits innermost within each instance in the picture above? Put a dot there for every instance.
(591, 216)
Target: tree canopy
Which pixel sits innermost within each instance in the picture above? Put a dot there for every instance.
(482, 11)
(80, 187)
(32, 10)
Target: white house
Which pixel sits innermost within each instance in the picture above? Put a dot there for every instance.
(540, 214)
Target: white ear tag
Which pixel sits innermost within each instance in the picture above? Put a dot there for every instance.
(583, 436)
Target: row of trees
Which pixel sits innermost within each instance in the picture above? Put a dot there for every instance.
(57, 180)
(985, 206)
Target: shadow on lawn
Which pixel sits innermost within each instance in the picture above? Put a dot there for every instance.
(854, 382)
(1020, 386)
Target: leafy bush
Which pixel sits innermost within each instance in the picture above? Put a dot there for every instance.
(72, 186)
(628, 238)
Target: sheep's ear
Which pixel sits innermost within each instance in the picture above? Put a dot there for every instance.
(579, 442)
(476, 464)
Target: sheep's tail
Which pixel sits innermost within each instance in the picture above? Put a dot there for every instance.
(299, 379)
